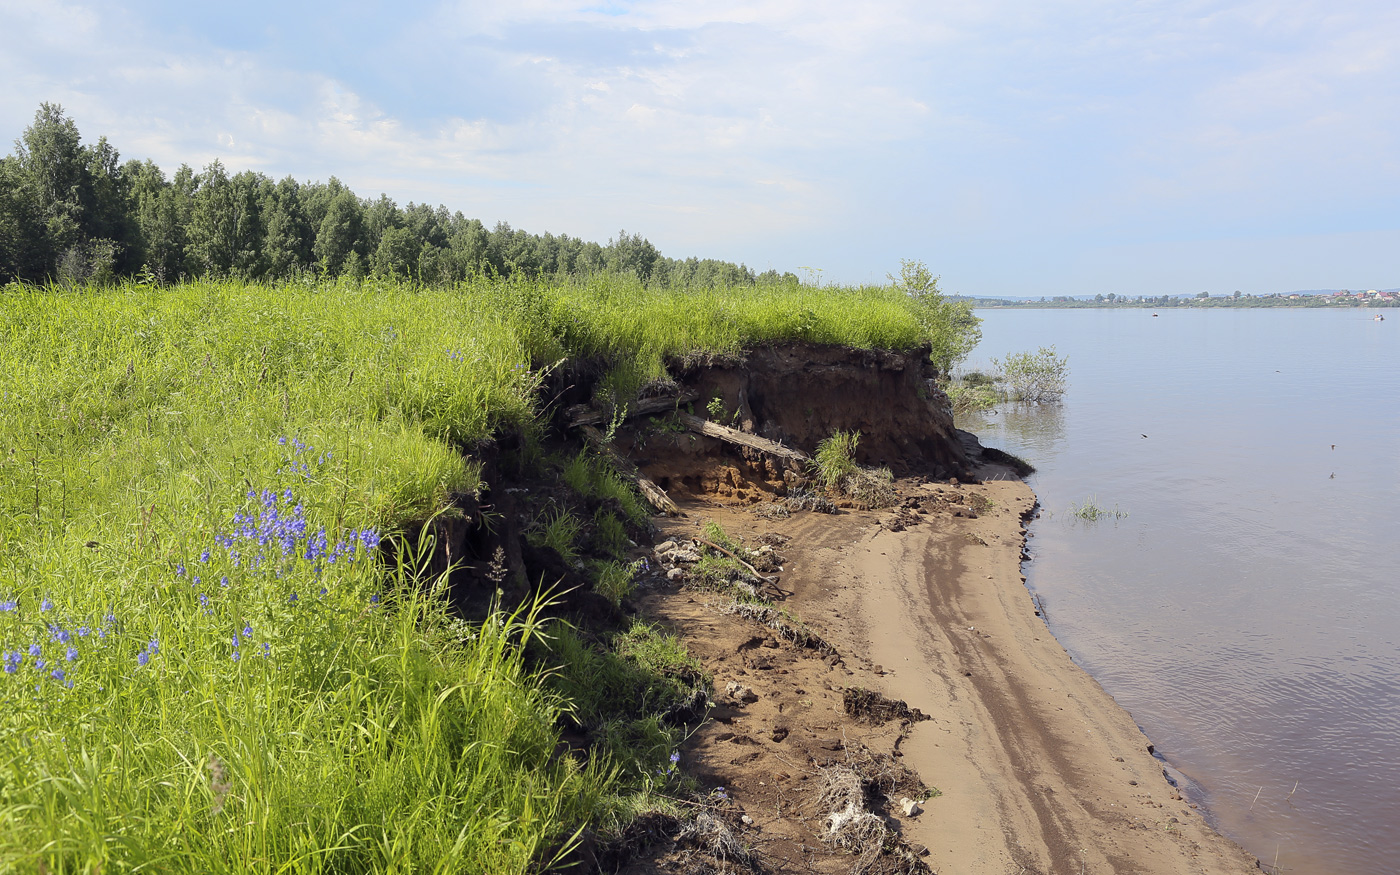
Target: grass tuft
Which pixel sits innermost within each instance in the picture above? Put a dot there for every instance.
(1092, 511)
(835, 459)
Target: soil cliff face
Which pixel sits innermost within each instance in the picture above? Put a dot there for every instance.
(799, 394)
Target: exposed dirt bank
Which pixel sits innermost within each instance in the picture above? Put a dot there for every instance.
(797, 395)
(1037, 769)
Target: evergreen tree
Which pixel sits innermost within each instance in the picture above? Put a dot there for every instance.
(288, 237)
(469, 247)
(632, 253)
(153, 203)
(338, 237)
(76, 212)
(225, 229)
(397, 254)
(54, 169)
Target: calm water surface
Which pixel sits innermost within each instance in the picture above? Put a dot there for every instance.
(1246, 611)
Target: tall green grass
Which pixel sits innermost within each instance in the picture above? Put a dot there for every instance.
(636, 328)
(168, 707)
(207, 663)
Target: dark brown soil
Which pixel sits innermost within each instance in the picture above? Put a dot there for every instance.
(798, 395)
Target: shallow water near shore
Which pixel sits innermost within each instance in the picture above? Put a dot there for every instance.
(1246, 609)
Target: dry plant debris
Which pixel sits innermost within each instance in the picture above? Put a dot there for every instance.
(868, 706)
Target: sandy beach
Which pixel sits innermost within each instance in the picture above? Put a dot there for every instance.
(1037, 769)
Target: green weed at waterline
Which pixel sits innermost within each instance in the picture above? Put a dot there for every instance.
(1092, 511)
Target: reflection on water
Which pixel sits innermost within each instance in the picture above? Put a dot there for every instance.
(1245, 611)
(1038, 427)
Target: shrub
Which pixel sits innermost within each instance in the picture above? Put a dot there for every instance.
(950, 328)
(593, 477)
(1038, 377)
(558, 530)
(613, 580)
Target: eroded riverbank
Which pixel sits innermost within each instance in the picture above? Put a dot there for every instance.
(1038, 770)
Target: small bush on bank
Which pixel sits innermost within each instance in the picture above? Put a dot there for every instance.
(592, 477)
(1039, 377)
(836, 470)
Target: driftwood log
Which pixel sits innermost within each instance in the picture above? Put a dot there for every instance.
(743, 439)
(654, 494)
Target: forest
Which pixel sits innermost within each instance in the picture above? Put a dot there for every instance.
(71, 212)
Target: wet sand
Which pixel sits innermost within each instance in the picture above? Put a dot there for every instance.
(1040, 769)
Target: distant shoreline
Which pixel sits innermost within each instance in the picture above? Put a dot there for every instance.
(1361, 301)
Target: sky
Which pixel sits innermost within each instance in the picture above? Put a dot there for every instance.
(1017, 147)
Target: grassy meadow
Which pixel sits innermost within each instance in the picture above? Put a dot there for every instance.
(208, 665)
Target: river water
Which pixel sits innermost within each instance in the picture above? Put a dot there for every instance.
(1246, 610)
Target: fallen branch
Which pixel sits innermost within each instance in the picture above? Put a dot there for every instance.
(734, 436)
(732, 555)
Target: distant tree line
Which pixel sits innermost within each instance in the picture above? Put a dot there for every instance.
(76, 212)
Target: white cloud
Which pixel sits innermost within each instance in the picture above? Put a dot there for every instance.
(777, 131)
